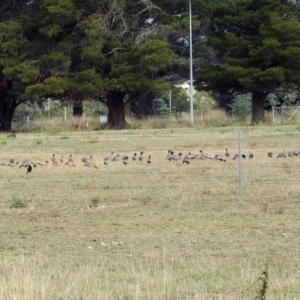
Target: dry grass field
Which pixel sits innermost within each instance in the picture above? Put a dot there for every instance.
(159, 231)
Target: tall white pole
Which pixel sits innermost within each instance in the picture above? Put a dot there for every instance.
(191, 67)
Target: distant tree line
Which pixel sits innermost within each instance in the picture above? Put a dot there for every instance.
(128, 52)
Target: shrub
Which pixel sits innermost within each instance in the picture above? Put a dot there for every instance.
(241, 106)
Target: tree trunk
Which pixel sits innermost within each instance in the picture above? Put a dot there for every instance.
(116, 110)
(142, 105)
(225, 98)
(258, 106)
(7, 109)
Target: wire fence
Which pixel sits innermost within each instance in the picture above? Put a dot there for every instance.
(284, 114)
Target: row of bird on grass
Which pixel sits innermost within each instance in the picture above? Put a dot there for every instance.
(284, 155)
(139, 157)
(189, 157)
(87, 161)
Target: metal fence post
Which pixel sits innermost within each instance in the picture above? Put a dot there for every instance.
(240, 167)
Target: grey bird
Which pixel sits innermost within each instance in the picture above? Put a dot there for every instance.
(125, 160)
(71, 158)
(250, 155)
(90, 165)
(141, 157)
(54, 160)
(149, 160)
(186, 160)
(170, 153)
(108, 158)
(43, 163)
(87, 159)
(25, 163)
(236, 156)
(134, 157)
(70, 163)
(12, 163)
(281, 154)
(175, 157)
(116, 157)
(220, 158)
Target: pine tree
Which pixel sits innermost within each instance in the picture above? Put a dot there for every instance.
(259, 41)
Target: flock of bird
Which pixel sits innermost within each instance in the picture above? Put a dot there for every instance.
(136, 157)
(87, 161)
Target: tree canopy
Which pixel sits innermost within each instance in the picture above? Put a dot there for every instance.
(118, 50)
(258, 41)
(79, 50)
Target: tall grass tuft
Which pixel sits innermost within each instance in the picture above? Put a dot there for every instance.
(264, 279)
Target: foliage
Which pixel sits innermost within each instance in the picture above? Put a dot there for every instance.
(241, 106)
(272, 99)
(17, 203)
(160, 107)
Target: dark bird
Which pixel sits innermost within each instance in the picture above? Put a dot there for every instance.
(270, 154)
(62, 159)
(149, 160)
(29, 169)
